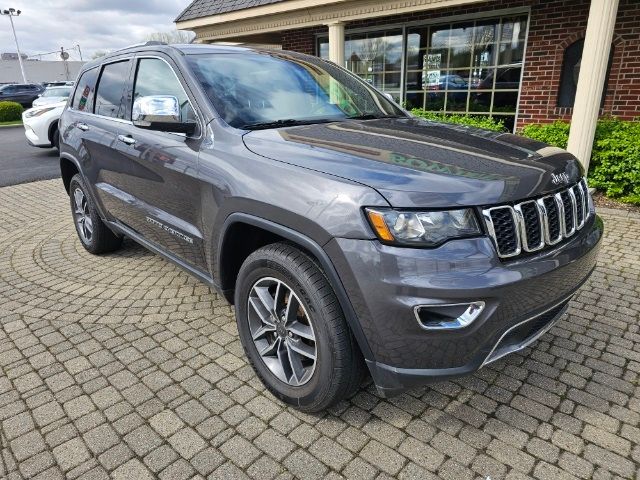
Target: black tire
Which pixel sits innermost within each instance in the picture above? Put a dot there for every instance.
(55, 139)
(101, 239)
(339, 366)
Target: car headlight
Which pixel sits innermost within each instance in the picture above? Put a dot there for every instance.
(34, 112)
(427, 229)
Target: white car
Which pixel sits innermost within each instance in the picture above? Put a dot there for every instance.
(52, 95)
(41, 125)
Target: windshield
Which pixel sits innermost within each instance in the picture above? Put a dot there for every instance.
(250, 89)
(57, 92)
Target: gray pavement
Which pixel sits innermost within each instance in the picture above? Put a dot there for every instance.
(21, 163)
(122, 366)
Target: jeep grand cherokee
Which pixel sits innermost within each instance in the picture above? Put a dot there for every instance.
(347, 233)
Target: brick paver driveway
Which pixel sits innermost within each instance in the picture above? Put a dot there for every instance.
(124, 366)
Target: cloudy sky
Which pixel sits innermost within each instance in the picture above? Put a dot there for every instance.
(46, 25)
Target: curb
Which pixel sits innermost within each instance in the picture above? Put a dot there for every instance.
(12, 126)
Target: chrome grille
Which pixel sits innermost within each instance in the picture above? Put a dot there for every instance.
(531, 225)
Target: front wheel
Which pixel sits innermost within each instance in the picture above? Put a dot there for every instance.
(293, 330)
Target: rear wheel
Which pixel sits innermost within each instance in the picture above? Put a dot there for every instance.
(293, 329)
(93, 233)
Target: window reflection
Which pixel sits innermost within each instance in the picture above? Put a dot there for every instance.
(473, 66)
(470, 67)
(376, 57)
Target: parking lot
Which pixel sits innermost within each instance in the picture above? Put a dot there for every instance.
(20, 163)
(123, 366)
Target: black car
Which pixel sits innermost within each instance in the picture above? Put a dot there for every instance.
(22, 93)
(349, 235)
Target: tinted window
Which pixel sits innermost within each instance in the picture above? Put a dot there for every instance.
(252, 88)
(110, 93)
(155, 77)
(83, 98)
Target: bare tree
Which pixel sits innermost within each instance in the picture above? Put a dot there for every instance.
(175, 36)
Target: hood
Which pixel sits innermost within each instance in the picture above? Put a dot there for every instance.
(418, 163)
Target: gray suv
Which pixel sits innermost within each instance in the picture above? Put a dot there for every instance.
(349, 235)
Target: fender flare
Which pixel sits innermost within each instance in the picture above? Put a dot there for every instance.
(68, 157)
(315, 249)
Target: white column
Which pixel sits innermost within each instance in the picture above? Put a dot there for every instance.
(593, 72)
(336, 42)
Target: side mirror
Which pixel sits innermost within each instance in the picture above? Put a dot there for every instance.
(161, 113)
(389, 96)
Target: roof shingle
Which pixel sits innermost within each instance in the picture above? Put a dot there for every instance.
(204, 8)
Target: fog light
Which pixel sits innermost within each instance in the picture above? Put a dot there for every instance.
(448, 317)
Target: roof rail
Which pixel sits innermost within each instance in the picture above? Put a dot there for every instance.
(142, 44)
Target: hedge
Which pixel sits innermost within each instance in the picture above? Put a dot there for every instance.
(10, 111)
(615, 161)
(478, 121)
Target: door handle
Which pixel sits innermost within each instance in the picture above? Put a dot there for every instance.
(127, 139)
(83, 126)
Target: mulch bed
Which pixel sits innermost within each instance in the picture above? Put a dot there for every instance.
(604, 202)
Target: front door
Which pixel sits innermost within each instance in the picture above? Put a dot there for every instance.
(161, 178)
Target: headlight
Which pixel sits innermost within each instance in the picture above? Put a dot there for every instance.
(427, 229)
(37, 112)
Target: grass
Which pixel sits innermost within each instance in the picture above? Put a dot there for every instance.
(10, 124)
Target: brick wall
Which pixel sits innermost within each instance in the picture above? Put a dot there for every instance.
(554, 24)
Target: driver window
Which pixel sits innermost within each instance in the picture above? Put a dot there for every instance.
(156, 77)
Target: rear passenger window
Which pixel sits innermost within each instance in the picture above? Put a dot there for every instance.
(111, 91)
(83, 96)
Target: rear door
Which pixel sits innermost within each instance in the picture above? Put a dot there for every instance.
(22, 95)
(75, 131)
(108, 127)
(162, 174)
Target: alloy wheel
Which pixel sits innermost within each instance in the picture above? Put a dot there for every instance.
(282, 331)
(82, 215)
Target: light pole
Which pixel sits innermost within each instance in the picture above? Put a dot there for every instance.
(12, 12)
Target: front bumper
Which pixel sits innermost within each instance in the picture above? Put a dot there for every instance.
(35, 138)
(385, 284)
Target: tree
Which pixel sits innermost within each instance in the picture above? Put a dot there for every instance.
(175, 36)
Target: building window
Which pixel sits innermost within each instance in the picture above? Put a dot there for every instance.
(470, 67)
(456, 67)
(570, 72)
(376, 57)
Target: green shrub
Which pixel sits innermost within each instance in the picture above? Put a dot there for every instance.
(10, 111)
(478, 121)
(556, 133)
(615, 160)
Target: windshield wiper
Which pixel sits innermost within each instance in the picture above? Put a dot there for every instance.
(289, 122)
(370, 116)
